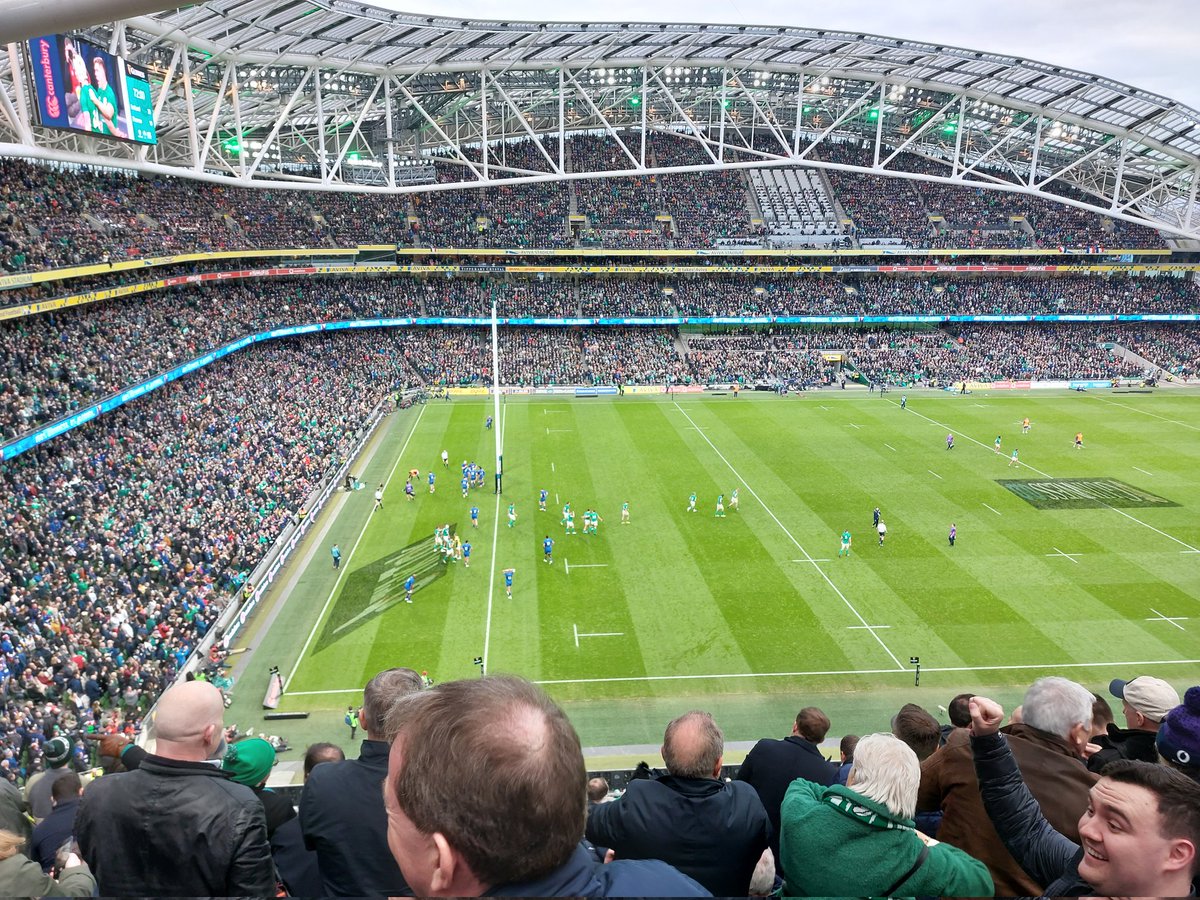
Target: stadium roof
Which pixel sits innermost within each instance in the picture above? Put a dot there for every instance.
(394, 89)
(360, 37)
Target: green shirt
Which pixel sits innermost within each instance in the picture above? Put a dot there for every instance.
(92, 99)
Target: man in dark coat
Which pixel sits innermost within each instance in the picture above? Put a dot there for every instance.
(1057, 721)
(341, 809)
(772, 765)
(1145, 700)
(56, 829)
(297, 866)
(713, 830)
(138, 830)
(486, 794)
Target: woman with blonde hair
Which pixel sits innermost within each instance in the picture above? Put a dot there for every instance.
(22, 877)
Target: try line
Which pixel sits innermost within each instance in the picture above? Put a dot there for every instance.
(783, 527)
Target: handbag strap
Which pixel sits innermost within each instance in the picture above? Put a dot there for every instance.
(921, 857)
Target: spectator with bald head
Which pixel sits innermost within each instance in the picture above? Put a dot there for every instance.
(341, 809)
(177, 825)
(713, 830)
(487, 792)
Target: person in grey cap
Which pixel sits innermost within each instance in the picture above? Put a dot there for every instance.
(57, 754)
(1146, 700)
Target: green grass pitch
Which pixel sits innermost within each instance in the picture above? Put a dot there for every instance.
(680, 609)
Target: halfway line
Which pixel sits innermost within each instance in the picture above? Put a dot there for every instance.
(1145, 413)
(487, 628)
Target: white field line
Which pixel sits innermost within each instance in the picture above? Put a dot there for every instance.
(1119, 512)
(867, 627)
(575, 628)
(997, 512)
(828, 672)
(1070, 556)
(487, 627)
(852, 425)
(345, 567)
(1173, 620)
(552, 469)
(934, 474)
(812, 561)
(890, 447)
(817, 674)
(785, 530)
(591, 565)
(601, 633)
(1143, 471)
(1145, 413)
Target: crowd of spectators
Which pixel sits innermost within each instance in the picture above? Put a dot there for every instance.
(625, 297)
(56, 362)
(44, 374)
(124, 539)
(56, 216)
(1175, 349)
(887, 209)
(1042, 352)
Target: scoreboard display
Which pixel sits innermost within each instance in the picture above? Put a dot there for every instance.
(82, 87)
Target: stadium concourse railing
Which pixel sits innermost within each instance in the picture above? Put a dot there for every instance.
(372, 251)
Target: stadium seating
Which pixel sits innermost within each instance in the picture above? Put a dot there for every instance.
(52, 217)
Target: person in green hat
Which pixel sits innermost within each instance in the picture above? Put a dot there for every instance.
(249, 762)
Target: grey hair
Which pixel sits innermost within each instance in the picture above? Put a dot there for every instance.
(887, 771)
(1057, 705)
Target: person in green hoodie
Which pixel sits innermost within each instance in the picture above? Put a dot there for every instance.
(859, 839)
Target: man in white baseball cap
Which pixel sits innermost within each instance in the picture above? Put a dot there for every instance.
(1146, 700)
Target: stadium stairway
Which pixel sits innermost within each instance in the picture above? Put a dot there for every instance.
(1122, 352)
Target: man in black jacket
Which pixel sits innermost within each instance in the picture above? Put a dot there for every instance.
(772, 765)
(1139, 836)
(177, 825)
(712, 830)
(1145, 700)
(341, 810)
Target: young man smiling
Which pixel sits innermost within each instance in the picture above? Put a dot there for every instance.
(1139, 834)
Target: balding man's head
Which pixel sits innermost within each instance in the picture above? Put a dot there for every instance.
(693, 746)
(189, 720)
(505, 745)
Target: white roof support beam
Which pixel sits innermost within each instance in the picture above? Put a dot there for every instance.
(637, 164)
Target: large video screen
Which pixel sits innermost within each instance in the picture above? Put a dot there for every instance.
(81, 87)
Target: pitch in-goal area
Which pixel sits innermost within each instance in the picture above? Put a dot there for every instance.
(1084, 562)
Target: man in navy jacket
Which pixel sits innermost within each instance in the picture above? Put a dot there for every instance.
(341, 809)
(771, 766)
(713, 830)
